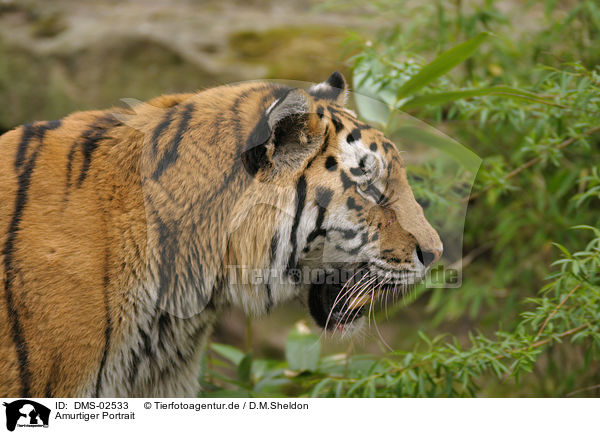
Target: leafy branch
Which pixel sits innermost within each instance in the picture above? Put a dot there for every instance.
(533, 162)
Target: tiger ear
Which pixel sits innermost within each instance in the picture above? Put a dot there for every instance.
(284, 136)
(333, 89)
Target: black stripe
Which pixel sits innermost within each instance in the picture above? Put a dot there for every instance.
(273, 255)
(24, 168)
(269, 305)
(346, 182)
(52, 377)
(318, 226)
(321, 151)
(88, 143)
(148, 351)
(169, 245)
(29, 132)
(364, 240)
(215, 140)
(353, 136)
(196, 336)
(343, 113)
(240, 140)
(133, 369)
(324, 196)
(192, 342)
(91, 139)
(357, 171)
(327, 138)
(388, 147)
(337, 124)
(160, 128)
(274, 242)
(300, 199)
(235, 112)
(48, 390)
(107, 330)
(145, 349)
(351, 204)
(165, 330)
(375, 193)
(172, 153)
(348, 234)
(70, 166)
(397, 160)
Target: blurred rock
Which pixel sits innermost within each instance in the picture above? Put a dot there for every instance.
(66, 55)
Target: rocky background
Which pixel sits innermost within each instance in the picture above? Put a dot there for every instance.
(66, 55)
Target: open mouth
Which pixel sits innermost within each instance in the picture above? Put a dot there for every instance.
(336, 302)
(330, 308)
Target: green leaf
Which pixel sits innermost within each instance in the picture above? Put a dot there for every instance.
(244, 369)
(563, 249)
(360, 366)
(356, 386)
(440, 98)
(302, 349)
(424, 337)
(316, 392)
(441, 65)
(371, 109)
(228, 352)
(416, 133)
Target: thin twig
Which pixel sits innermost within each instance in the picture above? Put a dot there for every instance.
(560, 335)
(546, 321)
(585, 389)
(532, 162)
(575, 288)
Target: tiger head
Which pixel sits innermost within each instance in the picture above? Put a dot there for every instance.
(352, 211)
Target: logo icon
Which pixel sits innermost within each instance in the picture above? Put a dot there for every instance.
(26, 413)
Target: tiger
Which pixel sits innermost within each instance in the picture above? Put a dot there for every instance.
(126, 232)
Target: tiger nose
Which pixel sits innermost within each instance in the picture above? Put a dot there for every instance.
(428, 257)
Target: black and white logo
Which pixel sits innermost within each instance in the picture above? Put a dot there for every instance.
(25, 413)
